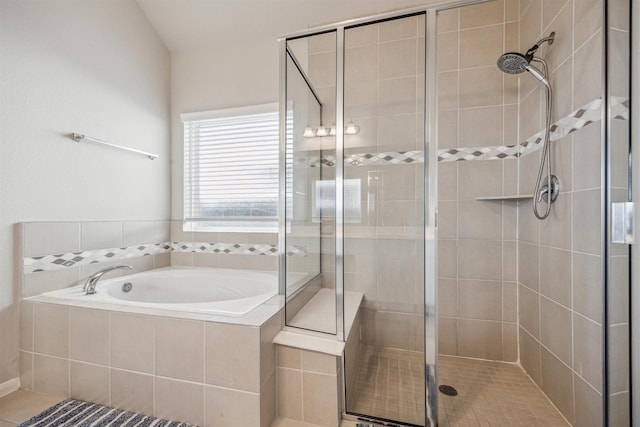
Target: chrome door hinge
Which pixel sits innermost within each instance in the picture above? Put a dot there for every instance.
(622, 222)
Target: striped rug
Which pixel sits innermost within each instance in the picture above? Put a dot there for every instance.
(77, 413)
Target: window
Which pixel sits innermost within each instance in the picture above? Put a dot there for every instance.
(231, 169)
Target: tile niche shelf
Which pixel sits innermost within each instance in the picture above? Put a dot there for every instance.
(513, 198)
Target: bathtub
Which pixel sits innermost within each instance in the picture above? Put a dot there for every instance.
(215, 291)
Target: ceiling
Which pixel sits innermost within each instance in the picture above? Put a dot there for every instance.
(193, 25)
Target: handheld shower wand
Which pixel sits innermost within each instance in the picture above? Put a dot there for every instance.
(517, 63)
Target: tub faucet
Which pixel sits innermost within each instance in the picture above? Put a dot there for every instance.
(90, 285)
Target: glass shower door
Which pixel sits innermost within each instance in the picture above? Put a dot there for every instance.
(384, 214)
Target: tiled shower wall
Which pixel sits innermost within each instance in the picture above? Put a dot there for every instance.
(478, 106)
(560, 258)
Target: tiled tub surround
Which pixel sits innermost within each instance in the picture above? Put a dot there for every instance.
(191, 369)
(68, 252)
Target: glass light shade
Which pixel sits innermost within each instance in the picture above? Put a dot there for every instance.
(322, 131)
(352, 129)
(308, 132)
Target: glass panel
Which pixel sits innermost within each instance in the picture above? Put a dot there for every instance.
(618, 284)
(384, 218)
(310, 183)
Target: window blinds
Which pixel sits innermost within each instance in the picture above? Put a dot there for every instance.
(231, 168)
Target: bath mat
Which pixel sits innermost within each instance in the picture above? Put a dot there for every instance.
(73, 412)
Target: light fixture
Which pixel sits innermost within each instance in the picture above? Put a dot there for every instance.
(322, 131)
(352, 129)
(308, 132)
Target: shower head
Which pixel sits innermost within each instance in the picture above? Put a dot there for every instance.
(516, 62)
(513, 63)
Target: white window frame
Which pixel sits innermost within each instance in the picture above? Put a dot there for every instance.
(195, 222)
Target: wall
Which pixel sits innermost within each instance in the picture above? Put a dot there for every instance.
(90, 67)
(477, 289)
(560, 258)
(209, 80)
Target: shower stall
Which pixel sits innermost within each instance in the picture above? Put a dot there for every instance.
(408, 165)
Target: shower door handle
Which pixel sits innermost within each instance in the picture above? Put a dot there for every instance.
(623, 222)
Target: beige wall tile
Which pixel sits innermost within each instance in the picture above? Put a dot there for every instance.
(588, 404)
(268, 358)
(510, 342)
(132, 342)
(447, 128)
(528, 303)
(479, 220)
(51, 375)
(480, 299)
(45, 281)
(510, 260)
(550, 9)
(480, 339)
(511, 10)
(89, 382)
(587, 20)
(556, 329)
(530, 355)
(100, 235)
(138, 233)
(48, 238)
(448, 51)
(397, 29)
(482, 259)
(530, 24)
(448, 336)
(361, 36)
(529, 265)
(268, 400)
(561, 81)
(447, 90)
(249, 262)
(619, 410)
(562, 24)
(619, 289)
(26, 326)
(528, 224)
(481, 47)
(322, 42)
(482, 14)
(588, 348)
(397, 96)
(162, 231)
(479, 179)
(132, 391)
(290, 393)
(448, 297)
(448, 181)
(230, 408)
(588, 77)
(618, 358)
(586, 216)
(481, 127)
(320, 399)
(447, 258)
(509, 301)
(89, 335)
(587, 284)
(322, 69)
(397, 59)
(555, 275)
(179, 350)
(361, 98)
(232, 356)
(182, 258)
(448, 20)
(180, 401)
(318, 362)
(447, 220)
(51, 329)
(557, 384)
(361, 63)
(397, 132)
(25, 369)
(488, 93)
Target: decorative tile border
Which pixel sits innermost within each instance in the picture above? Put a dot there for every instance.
(234, 248)
(61, 261)
(584, 116)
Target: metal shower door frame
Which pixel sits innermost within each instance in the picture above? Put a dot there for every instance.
(430, 196)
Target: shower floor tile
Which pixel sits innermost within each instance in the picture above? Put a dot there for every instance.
(489, 393)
